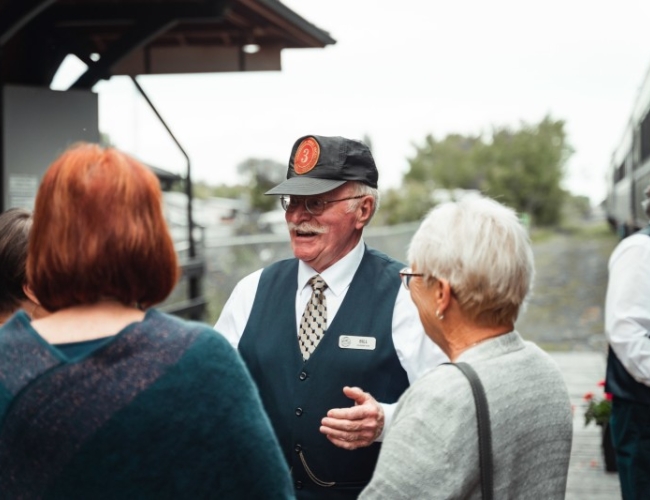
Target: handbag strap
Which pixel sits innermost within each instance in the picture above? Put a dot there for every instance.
(484, 432)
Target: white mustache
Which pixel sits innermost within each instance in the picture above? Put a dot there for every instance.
(306, 227)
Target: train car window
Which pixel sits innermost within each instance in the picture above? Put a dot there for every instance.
(645, 137)
(619, 173)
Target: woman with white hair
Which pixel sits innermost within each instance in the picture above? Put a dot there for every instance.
(471, 270)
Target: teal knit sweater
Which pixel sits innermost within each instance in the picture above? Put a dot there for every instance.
(165, 410)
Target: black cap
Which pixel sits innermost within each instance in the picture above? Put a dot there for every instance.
(320, 164)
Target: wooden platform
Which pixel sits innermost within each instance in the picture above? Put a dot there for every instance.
(587, 476)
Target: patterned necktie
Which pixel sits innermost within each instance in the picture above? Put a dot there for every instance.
(314, 320)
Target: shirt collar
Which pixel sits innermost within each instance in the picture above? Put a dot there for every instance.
(339, 275)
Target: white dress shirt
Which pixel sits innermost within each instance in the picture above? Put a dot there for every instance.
(415, 351)
(627, 305)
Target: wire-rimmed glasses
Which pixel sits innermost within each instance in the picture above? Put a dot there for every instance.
(407, 275)
(313, 205)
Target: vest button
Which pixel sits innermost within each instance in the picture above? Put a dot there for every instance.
(298, 412)
(302, 376)
(297, 448)
(298, 485)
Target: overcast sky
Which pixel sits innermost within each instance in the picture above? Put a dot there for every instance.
(400, 71)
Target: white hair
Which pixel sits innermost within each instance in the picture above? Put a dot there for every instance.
(483, 250)
(361, 189)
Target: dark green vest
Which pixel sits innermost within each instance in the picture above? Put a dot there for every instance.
(297, 394)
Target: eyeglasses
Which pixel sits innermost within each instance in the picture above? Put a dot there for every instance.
(407, 274)
(314, 206)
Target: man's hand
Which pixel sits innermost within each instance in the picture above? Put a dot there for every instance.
(354, 427)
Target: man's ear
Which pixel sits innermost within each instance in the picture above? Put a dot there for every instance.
(365, 210)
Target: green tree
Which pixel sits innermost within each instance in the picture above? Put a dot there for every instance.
(450, 163)
(227, 191)
(201, 190)
(522, 168)
(262, 175)
(408, 203)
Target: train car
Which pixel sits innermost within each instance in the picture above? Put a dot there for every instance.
(629, 171)
(618, 204)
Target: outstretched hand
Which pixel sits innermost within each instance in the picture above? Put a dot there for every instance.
(357, 426)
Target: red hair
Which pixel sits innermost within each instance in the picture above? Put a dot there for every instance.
(99, 232)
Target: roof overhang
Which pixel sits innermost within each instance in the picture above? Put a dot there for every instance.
(127, 37)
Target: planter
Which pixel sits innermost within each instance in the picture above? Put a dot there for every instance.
(608, 449)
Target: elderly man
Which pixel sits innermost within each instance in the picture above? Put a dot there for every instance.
(331, 328)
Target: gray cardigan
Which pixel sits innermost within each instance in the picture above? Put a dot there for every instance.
(431, 448)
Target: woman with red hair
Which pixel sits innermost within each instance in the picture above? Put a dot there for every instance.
(108, 397)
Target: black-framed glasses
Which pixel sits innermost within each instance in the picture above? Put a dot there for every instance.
(407, 274)
(314, 206)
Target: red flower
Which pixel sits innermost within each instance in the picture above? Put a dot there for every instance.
(598, 409)
(601, 383)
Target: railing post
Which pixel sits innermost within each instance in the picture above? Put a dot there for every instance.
(194, 281)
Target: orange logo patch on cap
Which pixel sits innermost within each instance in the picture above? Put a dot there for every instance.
(306, 156)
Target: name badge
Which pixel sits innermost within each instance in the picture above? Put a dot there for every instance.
(352, 342)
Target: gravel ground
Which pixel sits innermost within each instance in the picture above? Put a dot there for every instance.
(565, 311)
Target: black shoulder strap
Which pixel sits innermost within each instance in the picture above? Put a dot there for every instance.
(484, 432)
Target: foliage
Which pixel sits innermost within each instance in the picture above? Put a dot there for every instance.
(450, 163)
(262, 175)
(521, 168)
(580, 205)
(226, 191)
(525, 168)
(598, 410)
(409, 203)
(202, 190)
(105, 140)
